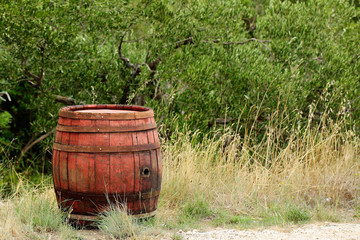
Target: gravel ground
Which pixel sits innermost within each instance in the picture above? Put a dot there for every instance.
(328, 231)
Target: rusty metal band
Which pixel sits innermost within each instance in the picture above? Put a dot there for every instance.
(105, 129)
(105, 149)
(107, 116)
(105, 198)
(81, 217)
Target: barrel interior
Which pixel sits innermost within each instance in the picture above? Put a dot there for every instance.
(94, 107)
(105, 111)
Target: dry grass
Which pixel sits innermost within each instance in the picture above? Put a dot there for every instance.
(290, 175)
(117, 224)
(317, 169)
(32, 213)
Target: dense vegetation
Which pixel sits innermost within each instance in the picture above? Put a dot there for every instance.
(257, 103)
(197, 63)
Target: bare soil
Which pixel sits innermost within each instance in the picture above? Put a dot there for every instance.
(318, 231)
(348, 231)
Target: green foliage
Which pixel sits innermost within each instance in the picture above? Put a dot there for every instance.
(357, 212)
(176, 237)
(196, 209)
(225, 218)
(296, 215)
(5, 119)
(205, 60)
(283, 213)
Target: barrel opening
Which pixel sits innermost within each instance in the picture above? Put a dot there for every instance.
(145, 172)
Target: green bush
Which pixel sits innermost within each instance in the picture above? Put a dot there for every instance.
(220, 59)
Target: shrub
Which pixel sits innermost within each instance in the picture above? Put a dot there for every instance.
(117, 223)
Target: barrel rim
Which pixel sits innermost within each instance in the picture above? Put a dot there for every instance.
(140, 112)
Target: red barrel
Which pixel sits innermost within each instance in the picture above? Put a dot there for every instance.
(107, 154)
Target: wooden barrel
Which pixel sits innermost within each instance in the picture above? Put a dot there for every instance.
(107, 154)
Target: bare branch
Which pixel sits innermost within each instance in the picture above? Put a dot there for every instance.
(29, 81)
(136, 66)
(147, 56)
(147, 66)
(42, 50)
(212, 41)
(156, 90)
(32, 143)
(66, 100)
(6, 94)
(35, 77)
(262, 42)
(183, 42)
(124, 59)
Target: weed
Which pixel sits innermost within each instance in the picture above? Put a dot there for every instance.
(297, 215)
(176, 237)
(32, 213)
(326, 213)
(39, 211)
(225, 217)
(196, 209)
(118, 224)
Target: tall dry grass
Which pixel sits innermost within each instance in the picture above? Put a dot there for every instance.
(31, 212)
(315, 166)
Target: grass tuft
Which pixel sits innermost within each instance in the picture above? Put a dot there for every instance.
(31, 212)
(224, 218)
(196, 209)
(297, 215)
(39, 211)
(118, 224)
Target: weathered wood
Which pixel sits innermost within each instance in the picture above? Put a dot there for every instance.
(104, 157)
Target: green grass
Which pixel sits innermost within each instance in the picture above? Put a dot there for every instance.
(40, 212)
(176, 237)
(296, 215)
(196, 208)
(225, 218)
(357, 212)
(118, 224)
(32, 213)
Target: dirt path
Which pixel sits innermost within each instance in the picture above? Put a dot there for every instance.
(320, 231)
(328, 231)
